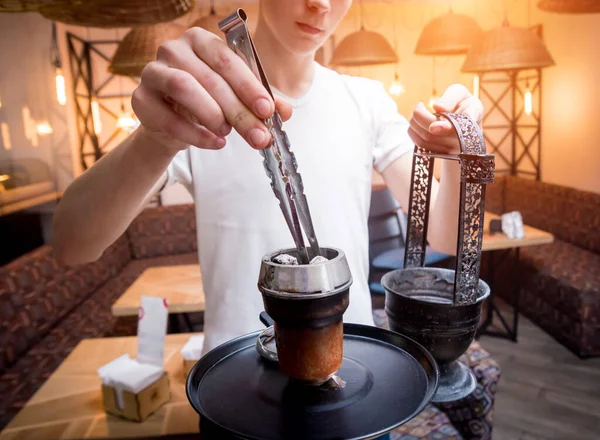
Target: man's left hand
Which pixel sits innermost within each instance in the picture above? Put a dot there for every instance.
(437, 134)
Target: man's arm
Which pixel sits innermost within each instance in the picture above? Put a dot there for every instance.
(436, 135)
(194, 93)
(99, 205)
(443, 210)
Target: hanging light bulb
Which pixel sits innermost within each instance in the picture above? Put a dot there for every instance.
(528, 101)
(476, 86)
(396, 89)
(57, 63)
(5, 136)
(43, 127)
(61, 94)
(126, 120)
(96, 116)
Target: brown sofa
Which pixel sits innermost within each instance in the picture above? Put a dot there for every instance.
(560, 282)
(46, 309)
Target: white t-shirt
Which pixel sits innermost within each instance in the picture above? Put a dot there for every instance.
(339, 130)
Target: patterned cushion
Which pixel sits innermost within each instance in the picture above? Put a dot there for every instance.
(20, 381)
(36, 292)
(574, 278)
(91, 319)
(429, 424)
(164, 230)
(570, 214)
(472, 416)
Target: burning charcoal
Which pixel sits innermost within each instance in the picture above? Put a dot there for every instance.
(286, 259)
(318, 259)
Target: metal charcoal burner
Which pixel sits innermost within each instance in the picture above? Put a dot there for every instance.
(441, 308)
(306, 303)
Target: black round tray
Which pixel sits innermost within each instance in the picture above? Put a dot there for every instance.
(238, 394)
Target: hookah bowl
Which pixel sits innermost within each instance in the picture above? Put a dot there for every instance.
(441, 308)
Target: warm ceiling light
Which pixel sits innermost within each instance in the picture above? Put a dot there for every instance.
(126, 120)
(507, 48)
(61, 94)
(396, 89)
(5, 136)
(449, 34)
(43, 128)
(96, 118)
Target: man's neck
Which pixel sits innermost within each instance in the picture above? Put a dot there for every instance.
(289, 73)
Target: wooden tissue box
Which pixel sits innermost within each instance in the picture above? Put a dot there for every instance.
(138, 407)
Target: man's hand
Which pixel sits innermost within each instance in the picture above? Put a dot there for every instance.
(437, 134)
(197, 90)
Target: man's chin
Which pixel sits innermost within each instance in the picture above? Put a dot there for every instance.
(304, 47)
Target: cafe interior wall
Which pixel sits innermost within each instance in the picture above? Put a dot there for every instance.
(27, 81)
(570, 155)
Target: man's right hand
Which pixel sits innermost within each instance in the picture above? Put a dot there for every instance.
(197, 90)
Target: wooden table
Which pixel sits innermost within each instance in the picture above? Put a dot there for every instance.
(180, 285)
(500, 243)
(69, 404)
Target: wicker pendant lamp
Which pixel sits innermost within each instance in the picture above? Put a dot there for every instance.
(570, 6)
(139, 47)
(363, 48)
(448, 34)
(22, 5)
(507, 48)
(115, 13)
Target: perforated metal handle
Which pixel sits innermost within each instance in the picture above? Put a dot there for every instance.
(477, 170)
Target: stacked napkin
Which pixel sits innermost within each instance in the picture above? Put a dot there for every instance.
(192, 350)
(126, 374)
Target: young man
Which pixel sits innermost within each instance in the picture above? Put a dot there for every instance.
(200, 108)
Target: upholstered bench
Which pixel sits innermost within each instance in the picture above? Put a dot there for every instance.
(560, 282)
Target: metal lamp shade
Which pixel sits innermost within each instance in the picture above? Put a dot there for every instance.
(139, 47)
(363, 48)
(115, 13)
(449, 34)
(507, 48)
(570, 6)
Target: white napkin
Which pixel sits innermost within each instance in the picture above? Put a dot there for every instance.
(126, 374)
(512, 225)
(152, 328)
(192, 350)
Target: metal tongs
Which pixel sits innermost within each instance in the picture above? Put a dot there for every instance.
(279, 162)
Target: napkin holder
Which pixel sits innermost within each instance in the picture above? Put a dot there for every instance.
(137, 401)
(137, 407)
